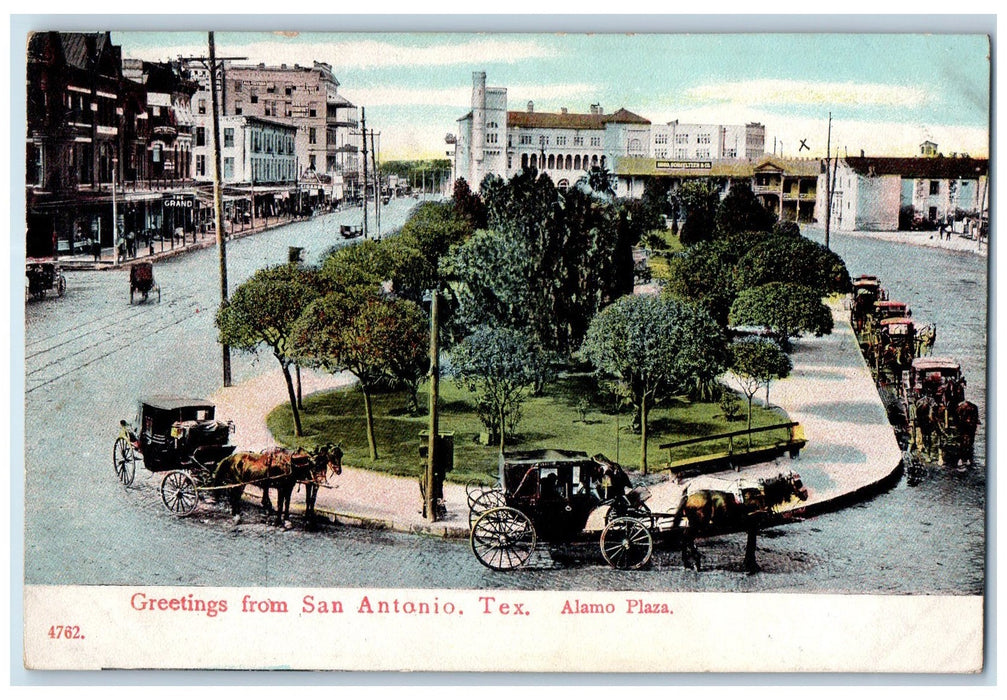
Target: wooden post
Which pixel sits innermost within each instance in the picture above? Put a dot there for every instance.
(430, 505)
(218, 204)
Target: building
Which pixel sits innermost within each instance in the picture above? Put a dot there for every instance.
(493, 140)
(889, 194)
(75, 110)
(327, 136)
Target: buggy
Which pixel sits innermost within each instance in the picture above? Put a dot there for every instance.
(141, 280)
(41, 276)
(176, 435)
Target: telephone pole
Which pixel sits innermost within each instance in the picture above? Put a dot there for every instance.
(429, 497)
(828, 182)
(218, 202)
(377, 186)
(363, 131)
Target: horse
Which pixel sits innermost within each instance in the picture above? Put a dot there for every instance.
(276, 468)
(325, 459)
(967, 421)
(710, 511)
(924, 418)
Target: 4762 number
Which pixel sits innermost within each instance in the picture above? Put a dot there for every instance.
(65, 632)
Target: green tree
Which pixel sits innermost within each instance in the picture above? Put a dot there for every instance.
(797, 260)
(704, 274)
(263, 311)
(783, 308)
(755, 362)
(500, 366)
(654, 346)
(366, 265)
(468, 205)
(426, 237)
(373, 337)
(699, 199)
(740, 210)
(599, 179)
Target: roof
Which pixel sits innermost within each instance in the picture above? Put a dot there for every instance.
(889, 304)
(934, 363)
(897, 321)
(631, 165)
(165, 402)
(937, 168)
(807, 167)
(545, 455)
(570, 120)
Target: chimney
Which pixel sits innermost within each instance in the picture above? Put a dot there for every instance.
(531, 106)
(283, 66)
(861, 153)
(562, 110)
(596, 108)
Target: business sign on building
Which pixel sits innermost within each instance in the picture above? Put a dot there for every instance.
(179, 201)
(683, 165)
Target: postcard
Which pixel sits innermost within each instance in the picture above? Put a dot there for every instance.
(539, 352)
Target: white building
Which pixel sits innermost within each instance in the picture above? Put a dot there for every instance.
(493, 140)
(253, 151)
(886, 194)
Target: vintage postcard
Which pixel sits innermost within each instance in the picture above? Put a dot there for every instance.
(541, 352)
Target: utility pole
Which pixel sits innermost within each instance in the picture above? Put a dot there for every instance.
(828, 182)
(218, 202)
(377, 187)
(363, 130)
(430, 501)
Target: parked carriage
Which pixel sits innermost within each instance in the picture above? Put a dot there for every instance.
(43, 276)
(348, 232)
(141, 281)
(176, 435)
(939, 418)
(866, 292)
(548, 496)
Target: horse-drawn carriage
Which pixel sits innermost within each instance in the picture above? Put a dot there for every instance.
(866, 292)
(565, 497)
(938, 416)
(348, 232)
(180, 436)
(141, 281)
(43, 276)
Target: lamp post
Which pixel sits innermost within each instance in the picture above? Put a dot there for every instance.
(429, 499)
(218, 204)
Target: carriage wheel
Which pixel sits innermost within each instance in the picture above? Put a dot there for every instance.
(61, 285)
(482, 502)
(502, 539)
(178, 493)
(124, 461)
(626, 543)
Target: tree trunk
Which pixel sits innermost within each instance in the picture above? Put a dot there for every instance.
(372, 446)
(293, 398)
(643, 433)
(750, 396)
(503, 429)
(297, 368)
(767, 394)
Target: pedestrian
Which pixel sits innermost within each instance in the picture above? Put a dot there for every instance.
(131, 244)
(96, 249)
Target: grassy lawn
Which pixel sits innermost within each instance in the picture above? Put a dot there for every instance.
(658, 261)
(567, 417)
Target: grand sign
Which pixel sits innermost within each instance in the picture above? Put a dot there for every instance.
(179, 201)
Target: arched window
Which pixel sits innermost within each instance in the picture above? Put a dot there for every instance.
(534, 160)
(603, 161)
(569, 161)
(552, 161)
(524, 161)
(576, 162)
(594, 161)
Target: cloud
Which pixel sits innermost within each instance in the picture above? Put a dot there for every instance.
(796, 92)
(459, 97)
(364, 53)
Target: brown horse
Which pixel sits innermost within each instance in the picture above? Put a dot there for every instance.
(711, 512)
(312, 474)
(967, 421)
(276, 468)
(923, 418)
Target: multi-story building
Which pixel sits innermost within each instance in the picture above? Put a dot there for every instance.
(492, 140)
(306, 97)
(887, 194)
(74, 116)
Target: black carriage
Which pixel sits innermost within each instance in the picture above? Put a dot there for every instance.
(176, 435)
(348, 232)
(549, 496)
(866, 292)
(141, 281)
(43, 276)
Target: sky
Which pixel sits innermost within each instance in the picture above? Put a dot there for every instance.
(887, 93)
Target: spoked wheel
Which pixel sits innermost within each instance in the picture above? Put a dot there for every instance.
(626, 543)
(124, 461)
(502, 539)
(178, 493)
(482, 502)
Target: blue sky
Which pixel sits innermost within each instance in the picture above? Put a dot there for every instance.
(887, 92)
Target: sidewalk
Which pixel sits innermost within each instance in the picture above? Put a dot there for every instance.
(162, 249)
(851, 451)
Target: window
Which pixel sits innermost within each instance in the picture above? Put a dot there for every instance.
(237, 84)
(254, 99)
(271, 88)
(228, 168)
(731, 153)
(155, 153)
(200, 133)
(311, 162)
(595, 140)
(311, 135)
(561, 140)
(661, 138)
(200, 165)
(288, 90)
(661, 153)
(525, 139)
(312, 112)
(33, 171)
(935, 187)
(703, 153)
(228, 138)
(491, 138)
(237, 108)
(702, 138)
(578, 140)
(201, 106)
(681, 139)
